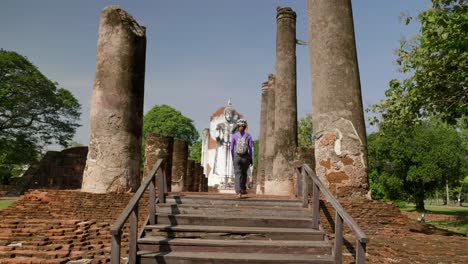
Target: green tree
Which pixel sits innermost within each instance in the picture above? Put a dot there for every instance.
(305, 134)
(436, 64)
(33, 112)
(410, 163)
(195, 151)
(163, 119)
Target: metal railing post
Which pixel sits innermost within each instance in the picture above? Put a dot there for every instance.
(163, 172)
(115, 247)
(360, 252)
(315, 206)
(132, 243)
(161, 186)
(298, 182)
(338, 238)
(305, 189)
(152, 201)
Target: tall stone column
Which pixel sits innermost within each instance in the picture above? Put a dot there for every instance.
(262, 140)
(113, 162)
(270, 134)
(338, 119)
(179, 164)
(285, 105)
(158, 147)
(189, 176)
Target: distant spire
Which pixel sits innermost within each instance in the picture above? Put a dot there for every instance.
(229, 102)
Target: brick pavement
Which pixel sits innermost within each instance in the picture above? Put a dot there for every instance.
(59, 226)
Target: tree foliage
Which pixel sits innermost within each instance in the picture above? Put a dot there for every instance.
(305, 134)
(195, 151)
(165, 120)
(33, 112)
(436, 64)
(410, 163)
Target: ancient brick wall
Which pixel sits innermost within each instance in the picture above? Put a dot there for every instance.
(56, 170)
(56, 226)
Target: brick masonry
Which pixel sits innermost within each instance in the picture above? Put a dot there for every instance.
(393, 237)
(57, 226)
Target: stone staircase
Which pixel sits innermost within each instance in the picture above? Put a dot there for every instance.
(225, 229)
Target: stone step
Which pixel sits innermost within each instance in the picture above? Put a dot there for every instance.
(207, 209)
(148, 257)
(232, 200)
(260, 221)
(235, 232)
(164, 244)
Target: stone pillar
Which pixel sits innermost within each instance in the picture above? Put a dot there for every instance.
(285, 105)
(116, 118)
(158, 147)
(205, 183)
(196, 177)
(188, 183)
(179, 164)
(262, 139)
(338, 118)
(270, 134)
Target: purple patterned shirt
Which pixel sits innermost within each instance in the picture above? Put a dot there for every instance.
(237, 135)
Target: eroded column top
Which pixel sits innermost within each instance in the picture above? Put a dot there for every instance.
(125, 18)
(265, 86)
(285, 12)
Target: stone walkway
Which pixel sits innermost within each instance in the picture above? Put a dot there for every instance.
(60, 226)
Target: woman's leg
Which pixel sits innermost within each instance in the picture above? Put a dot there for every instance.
(237, 173)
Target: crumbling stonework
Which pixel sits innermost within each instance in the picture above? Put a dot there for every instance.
(285, 105)
(338, 119)
(113, 163)
(56, 170)
(159, 147)
(179, 164)
(260, 172)
(270, 135)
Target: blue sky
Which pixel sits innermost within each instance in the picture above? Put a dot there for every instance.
(199, 53)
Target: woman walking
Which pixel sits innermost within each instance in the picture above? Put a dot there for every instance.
(242, 153)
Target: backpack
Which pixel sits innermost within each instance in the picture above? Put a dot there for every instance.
(242, 144)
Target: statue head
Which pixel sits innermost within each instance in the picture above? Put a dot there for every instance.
(229, 112)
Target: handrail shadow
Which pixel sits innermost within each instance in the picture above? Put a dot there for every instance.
(304, 174)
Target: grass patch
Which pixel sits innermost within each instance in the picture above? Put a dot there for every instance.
(434, 209)
(457, 226)
(5, 203)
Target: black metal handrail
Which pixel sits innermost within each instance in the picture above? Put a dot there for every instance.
(131, 211)
(341, 214)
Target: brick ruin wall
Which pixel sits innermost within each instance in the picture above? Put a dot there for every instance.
(56, 170)
(57, 226)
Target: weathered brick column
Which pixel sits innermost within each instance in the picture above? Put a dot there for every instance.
(188, 183)
(196, 177)
(270, 134)
(262, 139)
(116, 118)
(338, 119)
(285, 105)
(205, 184)
(179, 164)
(158, 147)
